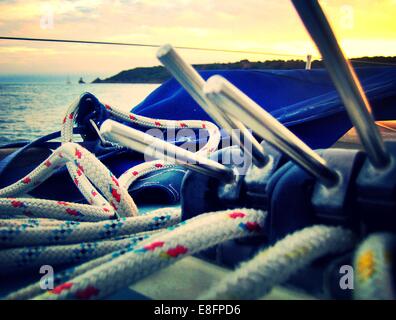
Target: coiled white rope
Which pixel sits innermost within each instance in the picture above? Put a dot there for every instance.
(274, 265)
(134, 173)
(17, 259)
(87, 166)
(64, 275)
(123, 267)
(111, 211)
(74, 232)
(87, 171)
(160, 251)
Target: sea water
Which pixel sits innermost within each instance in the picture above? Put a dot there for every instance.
(32, 109)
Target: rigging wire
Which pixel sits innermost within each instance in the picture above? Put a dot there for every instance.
(147, 45)
(150, 45)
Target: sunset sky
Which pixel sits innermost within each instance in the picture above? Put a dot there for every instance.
(365, 28)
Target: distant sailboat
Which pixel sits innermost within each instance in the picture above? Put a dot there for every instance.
(68, 81)
(81, 81)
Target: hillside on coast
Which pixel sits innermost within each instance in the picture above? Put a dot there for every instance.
(159, 74)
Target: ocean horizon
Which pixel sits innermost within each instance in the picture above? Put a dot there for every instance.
(47, 78)
(33, 107)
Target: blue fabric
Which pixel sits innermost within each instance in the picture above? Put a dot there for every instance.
(305, 101)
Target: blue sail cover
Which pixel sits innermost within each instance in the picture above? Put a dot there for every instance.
(304, 100)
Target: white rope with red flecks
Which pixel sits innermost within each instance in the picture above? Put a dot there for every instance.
(33, 229)
(107, 195)
(101, 277)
